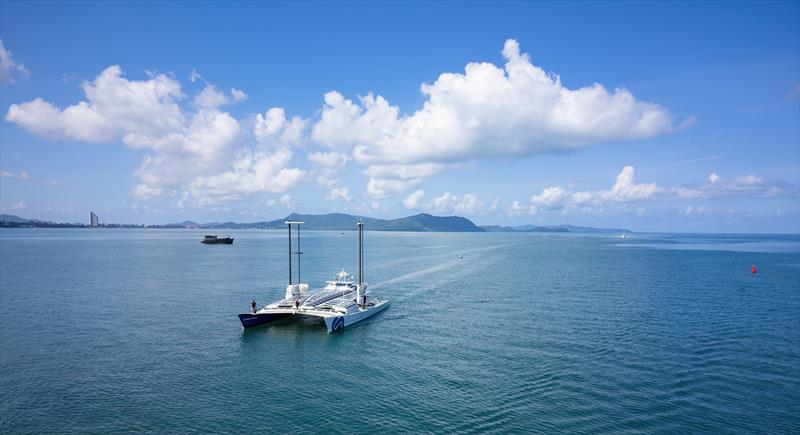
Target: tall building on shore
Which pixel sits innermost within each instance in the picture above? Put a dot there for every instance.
(93, 220)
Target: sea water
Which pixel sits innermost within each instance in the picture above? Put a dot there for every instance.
(109, 331)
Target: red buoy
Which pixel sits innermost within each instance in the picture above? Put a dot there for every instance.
(753, 269)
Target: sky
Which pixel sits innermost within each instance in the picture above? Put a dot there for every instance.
(650, 116)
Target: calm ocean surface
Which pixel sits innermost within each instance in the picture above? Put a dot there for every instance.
(135, 330)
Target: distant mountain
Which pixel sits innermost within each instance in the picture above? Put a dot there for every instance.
(337, 222)
(343, 222)
(12, 218)
(497, 229)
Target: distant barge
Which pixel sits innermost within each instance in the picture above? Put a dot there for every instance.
(214, 240)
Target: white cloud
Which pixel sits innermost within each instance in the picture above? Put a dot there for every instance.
(253, 172)
(10, 70)
(626, 189)
(382, 187)
(461, 205)
(332, 159)
(200, 154)
(142, 191)
(327, 167)
(344, 123)
(21, 176)
(405, 172)
(412, 200)
(487, 112)
(117, 107)
(210, 97)
(19, 206)
(339, 194)
(273, 129)
(238, 95)
(516, 209)
(753, 186)
(549, 196)
(287, 202)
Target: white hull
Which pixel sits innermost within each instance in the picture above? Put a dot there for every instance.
(336, 323)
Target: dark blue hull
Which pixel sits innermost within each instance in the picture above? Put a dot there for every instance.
(250, 320)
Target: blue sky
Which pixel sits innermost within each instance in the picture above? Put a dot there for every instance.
(656, 117)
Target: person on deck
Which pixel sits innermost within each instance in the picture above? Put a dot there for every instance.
(253, 306)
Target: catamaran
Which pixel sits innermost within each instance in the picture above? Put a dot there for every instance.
(342, 302)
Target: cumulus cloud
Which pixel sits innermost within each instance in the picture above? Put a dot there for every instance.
(549, 196)
(626, 190)
(454, 204)
(339, 194)
(273, 129)
(487, 112)
(212, 97)
(10, 70)
(21, 176)
(252, 172)
(332, 159)
(200, 154)
(382, 187)
(286, 201)
(326, 169)
(412, 200)
(136, 111)
(753, 186)
(516, 208)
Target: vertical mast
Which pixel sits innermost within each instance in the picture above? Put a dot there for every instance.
(360, 290)
(290, 252)
(361, 252)
(298, 252)
(298, 255)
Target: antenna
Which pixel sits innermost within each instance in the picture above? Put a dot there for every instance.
(298, 252)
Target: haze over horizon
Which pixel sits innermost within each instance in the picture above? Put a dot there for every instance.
(647, 116)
